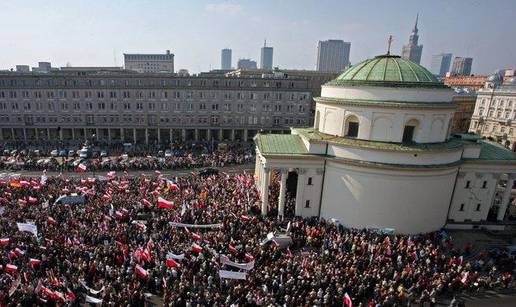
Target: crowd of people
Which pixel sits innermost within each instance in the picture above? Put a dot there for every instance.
(201, 241)
(187, 159)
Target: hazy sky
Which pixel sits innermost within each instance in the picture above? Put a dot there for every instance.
(96, 33)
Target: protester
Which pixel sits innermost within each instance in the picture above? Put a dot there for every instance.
(117, 246)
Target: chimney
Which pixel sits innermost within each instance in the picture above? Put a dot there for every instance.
(168, 52)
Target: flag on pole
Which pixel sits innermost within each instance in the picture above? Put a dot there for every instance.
(196, 237)
(81, 168)
(11, 268)
(34, 261)
(163, 203)
(233, 249)
(196, 248)
(4, 241)
(51, 221)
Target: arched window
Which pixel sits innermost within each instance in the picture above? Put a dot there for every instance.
(410, 130)
(352, 126)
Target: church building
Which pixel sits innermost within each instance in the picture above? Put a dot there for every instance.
(381, 155)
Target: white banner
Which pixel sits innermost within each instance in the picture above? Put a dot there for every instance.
(243, 266)
(176, 257)
(232, 275)
(28, 227)
(174, 224)
(93, 300)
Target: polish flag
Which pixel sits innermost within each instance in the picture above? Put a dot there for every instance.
(19, 252)
(70, 296)
(11, 268)
(249, 257)
(36, 188)
(24, 183)
(141, 272)
(4, 242)
(163, 203)
(233, 249)
(141, 227)
(32, 200)
(106, 197)
(146, 203)
(34, 261)
(155, 193)
(22, 202)
(51, 221)
(81, 168)
(245, 218)
(347, 300)
(171, 263)
(196, 237)
(119, 215)
(111, 174)
(196, 248)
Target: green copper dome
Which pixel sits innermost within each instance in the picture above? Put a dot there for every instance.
(388, 71)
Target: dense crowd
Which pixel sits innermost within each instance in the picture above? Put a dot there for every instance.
(187, 159)
(119, 248)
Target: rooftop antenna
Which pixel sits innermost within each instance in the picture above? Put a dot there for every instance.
(264, 42)
(417, 17)
(114, 57)
(389, 42)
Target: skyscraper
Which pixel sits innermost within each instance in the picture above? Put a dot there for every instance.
(333, 55)
(225, 59)
(266, 57)
(441, 64)
(461, 66)
(413, 51)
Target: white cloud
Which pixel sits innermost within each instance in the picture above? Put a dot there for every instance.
(224, 8)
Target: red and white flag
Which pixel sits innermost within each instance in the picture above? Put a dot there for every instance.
(81, 168)
(11, 268)
(196, 248)
(171, 263)
(19, 252)
(141, 272)
(347, 300)
(51, 221)
(245, 218)
(146, 203)
(163, 203)
(32, 200)
(249, 257)
(4, 242)
(233, 249)
(34, 261)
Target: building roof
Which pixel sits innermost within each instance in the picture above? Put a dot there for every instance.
(388, 71)
(280, 144)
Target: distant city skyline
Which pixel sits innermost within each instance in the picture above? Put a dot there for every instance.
(97, 33)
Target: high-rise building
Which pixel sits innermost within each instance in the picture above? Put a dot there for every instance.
(225, 59)
(266, 57)
(461, 66)
(246, 64)
(441, 64)
(150, 62)
(333, 55)
(413, 51)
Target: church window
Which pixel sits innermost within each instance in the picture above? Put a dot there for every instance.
(484, 184)
(352, 126)
(409, 132)
(478, 207)
(309, 180)
(468, 183)
(461, 207)
(307, 204)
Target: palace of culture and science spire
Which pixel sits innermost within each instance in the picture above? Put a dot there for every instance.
(413, 51)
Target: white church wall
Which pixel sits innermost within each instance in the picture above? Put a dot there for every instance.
(388, 94)
(408, 201)
(394, 157)
(473, 196)
(311, 192)
(385, 124)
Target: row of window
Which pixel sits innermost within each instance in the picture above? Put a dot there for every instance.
(500, 102)
(151, 82)
(497, 114)
(152, 106)
(153, 95)
(494, 128)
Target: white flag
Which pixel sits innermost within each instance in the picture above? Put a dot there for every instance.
(28, 227)
(176, 257)
(93, 300)
(232, 275)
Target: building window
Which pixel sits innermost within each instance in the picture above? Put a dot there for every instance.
(461, 207)
(409, 131)
(484, 184)
(478, 207)
(307, 204)
(468, 183)
(309, 180)
(352, 126)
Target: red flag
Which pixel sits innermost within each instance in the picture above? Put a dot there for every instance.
(51, 221)
(119, 215)
(196, 237)
(233, 249)
(249, 257)
(19, 252)
(70, 296)
(81, 168)
(288, 252)
(347, 300)
(146, 203)
(245, 218)
(171, 263)
(32, 200)
(141, 272)
(196, 248)
(163, 203)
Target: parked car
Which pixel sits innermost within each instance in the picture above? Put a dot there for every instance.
(54, 153)
(71, 153)
(63, 153)
(103, 153)
(168, 153)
